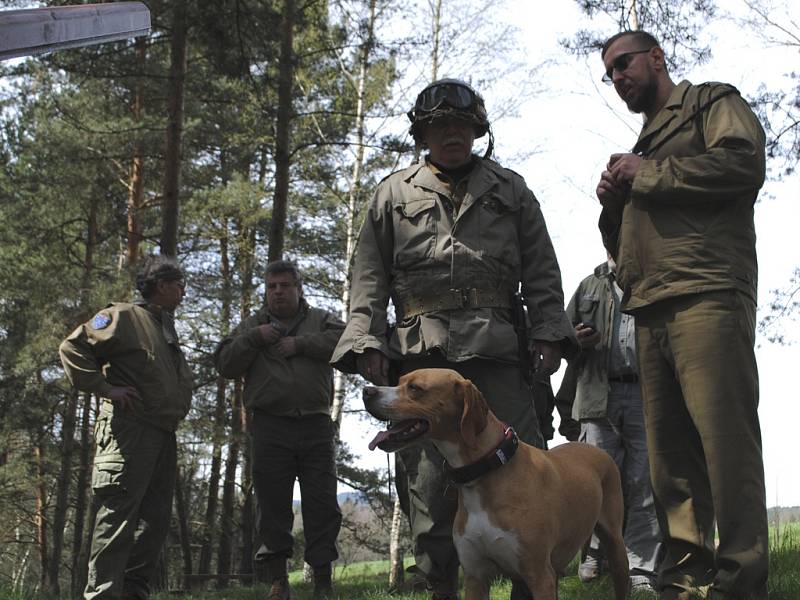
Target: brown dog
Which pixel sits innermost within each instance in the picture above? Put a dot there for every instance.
(528, 512)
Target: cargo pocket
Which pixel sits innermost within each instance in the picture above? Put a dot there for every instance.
(108, 476)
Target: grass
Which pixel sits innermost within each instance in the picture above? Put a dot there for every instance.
(367, 581)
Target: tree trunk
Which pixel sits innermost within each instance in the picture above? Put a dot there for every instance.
(41, 505)
(225, 556)
(172, 158)
(136, 179)
(220, 410)
(247, 261)
(396, 571)
(354, 197)
(437, 34)
(62, 492)
(183, 527)
(280, 199)
(82, 493)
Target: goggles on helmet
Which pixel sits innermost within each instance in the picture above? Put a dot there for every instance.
(453, 94)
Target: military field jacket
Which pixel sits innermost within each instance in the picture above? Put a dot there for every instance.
(414, 246)
(585, 384)
(292, 386)
(127, 345)
(687, 225)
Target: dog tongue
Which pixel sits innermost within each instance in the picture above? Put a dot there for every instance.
(382, 435)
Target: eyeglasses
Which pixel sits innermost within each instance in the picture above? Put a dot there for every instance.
(453, 95)
(622, 62)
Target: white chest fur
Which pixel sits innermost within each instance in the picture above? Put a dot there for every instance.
(484, 549)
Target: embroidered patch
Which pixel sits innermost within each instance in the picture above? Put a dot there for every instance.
(100, 321)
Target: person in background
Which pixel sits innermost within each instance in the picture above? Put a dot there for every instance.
(678, 219)
(602, 386)
(283, 352)
(129, 355)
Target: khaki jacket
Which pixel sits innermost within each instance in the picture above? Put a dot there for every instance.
(289, 387)
(128, 345)
(585, 385)
(415, 245)
(687, 225)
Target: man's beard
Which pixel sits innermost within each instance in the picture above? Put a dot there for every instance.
(645, 100)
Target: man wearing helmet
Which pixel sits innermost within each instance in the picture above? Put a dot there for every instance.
(129, 355)
(450, 240)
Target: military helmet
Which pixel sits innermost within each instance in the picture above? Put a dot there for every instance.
(448, 97)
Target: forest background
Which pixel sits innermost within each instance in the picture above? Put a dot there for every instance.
(240, 131)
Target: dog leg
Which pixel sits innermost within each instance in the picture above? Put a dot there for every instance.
(614, 549)
(475, 589)
(543, 582)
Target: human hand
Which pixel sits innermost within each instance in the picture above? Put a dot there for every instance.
(287, 346)
(623, 167)
(125, 397)
(546, 357)
(269, 333)
(587, 336)
(373, 366)
(610, 194)
(570, 429)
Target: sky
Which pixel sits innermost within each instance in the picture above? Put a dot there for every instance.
(560, 141)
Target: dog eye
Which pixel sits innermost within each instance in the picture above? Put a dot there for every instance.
(414, 388)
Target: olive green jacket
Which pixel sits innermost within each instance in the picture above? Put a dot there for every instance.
(128, 345)
(292, 386)
(585, 384)
(687, 225)
(414, 245)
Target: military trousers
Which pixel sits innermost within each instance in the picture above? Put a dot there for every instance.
(700, 389)
(286, 449)
(133, 480)
(621, 433)
(427, 500)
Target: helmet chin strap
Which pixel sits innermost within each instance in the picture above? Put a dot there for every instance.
(490, 145)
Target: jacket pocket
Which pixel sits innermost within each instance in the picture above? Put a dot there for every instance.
(415, 230)
(498, 227)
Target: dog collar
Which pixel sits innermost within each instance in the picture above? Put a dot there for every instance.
(494, 460)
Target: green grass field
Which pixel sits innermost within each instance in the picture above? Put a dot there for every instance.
(368, 581)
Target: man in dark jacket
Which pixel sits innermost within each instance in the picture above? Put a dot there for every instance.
(283, 352)
(678, 219)
(129, 355)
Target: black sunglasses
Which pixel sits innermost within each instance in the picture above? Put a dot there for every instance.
(622, 62)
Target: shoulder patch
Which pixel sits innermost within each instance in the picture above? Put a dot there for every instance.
(101, 321)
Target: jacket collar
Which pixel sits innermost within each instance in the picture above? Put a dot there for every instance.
(668, 112)
(481, 180)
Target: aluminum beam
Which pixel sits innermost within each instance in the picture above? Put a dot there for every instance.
(36, 30)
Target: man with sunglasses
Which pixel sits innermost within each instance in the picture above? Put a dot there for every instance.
(450, 240)
(678, 218)
(128, 354)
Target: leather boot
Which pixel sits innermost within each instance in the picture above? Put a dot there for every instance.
(279, 589)
(323, 587)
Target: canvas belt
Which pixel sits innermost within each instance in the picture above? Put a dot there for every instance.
(454, 299)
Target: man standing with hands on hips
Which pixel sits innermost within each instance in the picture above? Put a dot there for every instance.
(678, 219)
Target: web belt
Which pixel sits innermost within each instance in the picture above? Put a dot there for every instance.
(454, 299)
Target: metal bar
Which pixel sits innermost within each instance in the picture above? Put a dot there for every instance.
(33, 31)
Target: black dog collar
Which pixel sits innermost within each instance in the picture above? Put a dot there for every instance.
(494, 460)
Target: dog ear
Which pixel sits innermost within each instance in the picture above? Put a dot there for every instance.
(473, 416)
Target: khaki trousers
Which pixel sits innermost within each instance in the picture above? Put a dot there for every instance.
(133, 481)
(700, 390)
